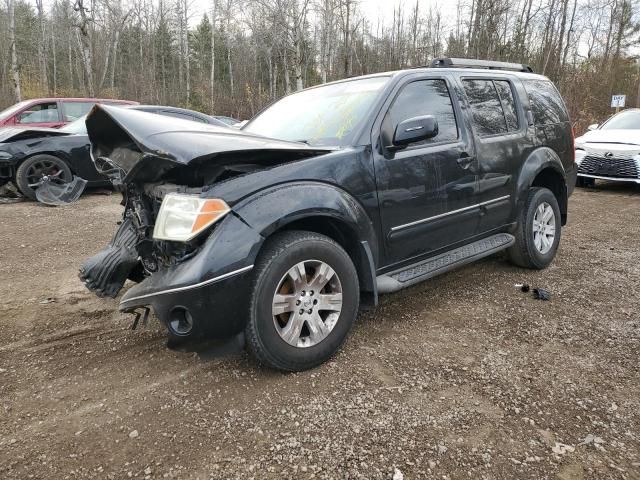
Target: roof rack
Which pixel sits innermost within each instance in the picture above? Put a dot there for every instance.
(474, 63)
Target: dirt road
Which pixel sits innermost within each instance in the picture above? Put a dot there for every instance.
(460, 377)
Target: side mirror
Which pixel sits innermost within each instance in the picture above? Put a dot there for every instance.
(414, 130)
(593, 126)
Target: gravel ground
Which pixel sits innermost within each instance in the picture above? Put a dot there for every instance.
(460, 377)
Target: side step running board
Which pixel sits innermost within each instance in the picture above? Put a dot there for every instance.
(442, 263)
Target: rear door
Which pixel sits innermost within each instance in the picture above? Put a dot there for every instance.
(500, 132)
(426, 190)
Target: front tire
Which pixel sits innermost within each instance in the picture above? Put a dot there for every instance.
(32, 170)
(538, 230)
(303, 303)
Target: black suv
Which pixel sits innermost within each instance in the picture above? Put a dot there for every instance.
(331, 196)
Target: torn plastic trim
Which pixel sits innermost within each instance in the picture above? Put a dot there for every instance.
(55, 193)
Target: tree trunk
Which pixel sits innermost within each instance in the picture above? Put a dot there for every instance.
(15, 72)
(212, 76)
(287, 82)
(85, 48)
(186, 52)
(55, 64)
(42, 45)
(347, 39)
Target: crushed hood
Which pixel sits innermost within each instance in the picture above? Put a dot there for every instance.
(630, 137)
(14, 134)
(143, 146)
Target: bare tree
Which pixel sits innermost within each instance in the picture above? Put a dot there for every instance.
(84, 36)
(15, 72)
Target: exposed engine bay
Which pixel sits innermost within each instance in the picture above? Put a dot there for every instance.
(148, 157)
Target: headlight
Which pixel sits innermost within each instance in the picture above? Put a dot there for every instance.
(183, 217)
(5, 155)
(580, 154)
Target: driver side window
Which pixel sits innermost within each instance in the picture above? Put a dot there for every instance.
(40, 113)
(425, 97)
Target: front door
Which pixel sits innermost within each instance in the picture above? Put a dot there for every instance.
(426, 191)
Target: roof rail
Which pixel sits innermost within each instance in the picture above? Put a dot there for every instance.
(474, 63)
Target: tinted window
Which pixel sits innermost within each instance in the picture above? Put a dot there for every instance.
(40, 113)
(508, 103)
(546, 103)
(488, 117)
(75, 110)
(426, 97)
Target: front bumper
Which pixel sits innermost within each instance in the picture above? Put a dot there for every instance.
(217, 307)
(213, 286)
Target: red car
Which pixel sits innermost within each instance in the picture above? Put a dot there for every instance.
(51, 112)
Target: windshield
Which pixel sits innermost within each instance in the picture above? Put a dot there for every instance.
(13, 109)
(327, 115)
(77, 127)
(629, 120)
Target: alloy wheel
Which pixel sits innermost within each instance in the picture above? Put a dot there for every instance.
(45, 169)
(544, 227)
(307, 303)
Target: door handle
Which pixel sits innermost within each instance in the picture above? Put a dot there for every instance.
(465, 160)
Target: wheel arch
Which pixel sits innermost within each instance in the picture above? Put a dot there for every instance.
(324, 209)
(543, 168)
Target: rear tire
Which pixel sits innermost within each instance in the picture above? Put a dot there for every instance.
(32, 169)
(538, 230)
(304, 301)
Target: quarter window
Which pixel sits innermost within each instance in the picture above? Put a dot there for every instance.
(425, 97)
(488, 116)
(546, 103)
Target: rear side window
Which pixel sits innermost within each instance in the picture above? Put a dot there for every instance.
(488, 116)
(74, 110)
(546, 103)
(426, 97)
(508, 103)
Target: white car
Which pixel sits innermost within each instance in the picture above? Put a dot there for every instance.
(610, 151)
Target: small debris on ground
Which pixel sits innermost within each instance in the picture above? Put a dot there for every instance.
(9, 193)
(541, 294)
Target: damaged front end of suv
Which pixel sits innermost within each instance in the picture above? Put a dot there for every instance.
(178, 238)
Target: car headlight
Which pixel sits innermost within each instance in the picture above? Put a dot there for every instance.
(5, 155)
(580, 154)
(183, 217)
